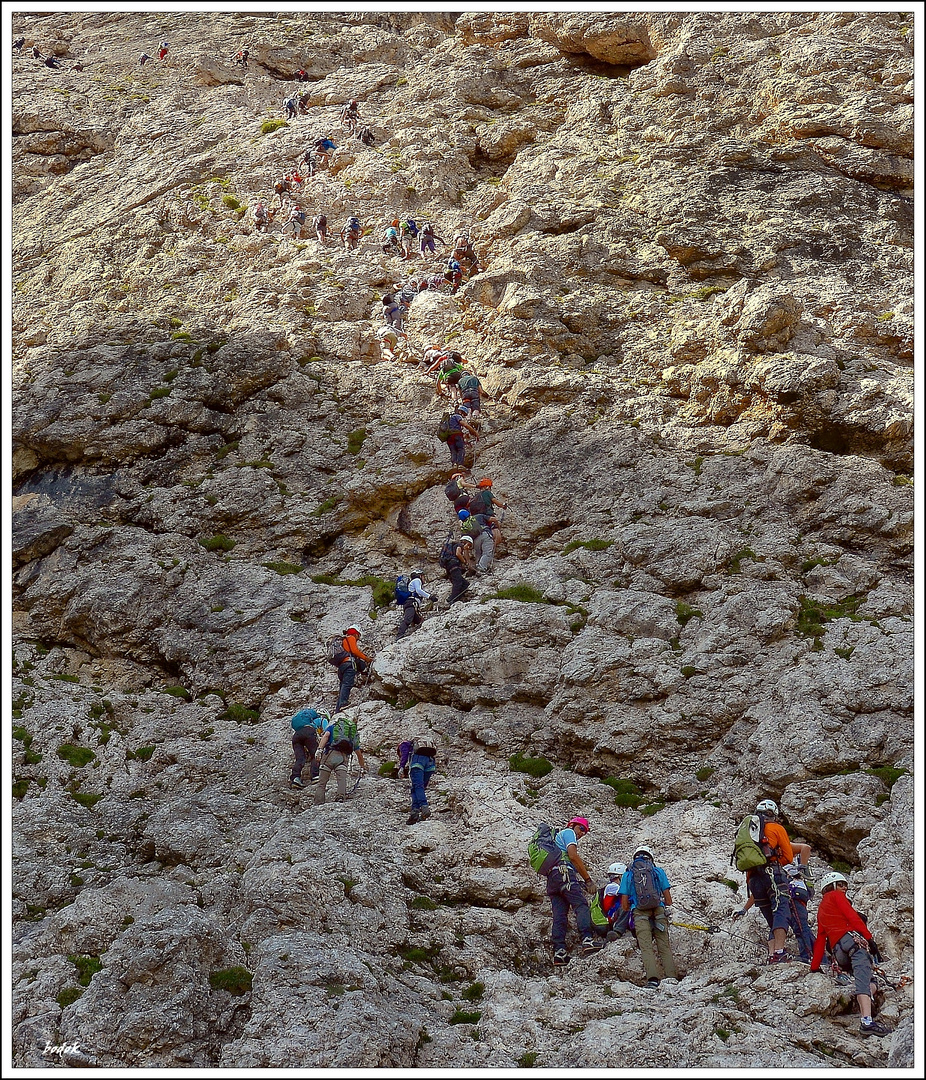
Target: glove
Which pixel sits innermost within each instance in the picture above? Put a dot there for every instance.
(874, 951)
(590, 887)
(738, 914)
(670, 911)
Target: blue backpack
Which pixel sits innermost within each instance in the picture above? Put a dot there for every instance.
(308, 718)
(410, 227)
(402, 592)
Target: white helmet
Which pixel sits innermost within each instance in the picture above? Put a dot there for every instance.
(644, 850)
(466, 539)
(830, 880)
(767, 806)
(617, 869)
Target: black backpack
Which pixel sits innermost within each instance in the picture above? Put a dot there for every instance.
(447, 559)
(649, 895)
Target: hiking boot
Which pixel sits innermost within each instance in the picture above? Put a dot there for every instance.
(424, 812)
(874, 1028)
(613, 935)
(412, 817)
(652, 984)
(589, 946)
(779, 958)
(296, 782)
(560, 958)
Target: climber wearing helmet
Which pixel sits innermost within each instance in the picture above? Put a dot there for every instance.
(350, 115)
(353, 661)
(456, 443)
(308, 726)
(565, 891)
(645, 890)
(844, 932)
(768, 884)
(608, 917)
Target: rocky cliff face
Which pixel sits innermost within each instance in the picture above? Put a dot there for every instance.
(695, 323)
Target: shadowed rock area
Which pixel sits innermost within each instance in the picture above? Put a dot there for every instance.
(694, 328)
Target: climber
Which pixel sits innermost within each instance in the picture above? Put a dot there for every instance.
(308, 726)
(392, 311)
(449, 372)
(454, 556)
(320, 226)
(845, 933)
(645, 891)
(485, 501)
(291, 105)
(416, 760)
(470, 390)
(301, 75)
(609, 919)
(52, 62)
(390, 240)
(281, 188)
(143, 59)
(350, 234)
(36, 55)
(455, 492)
(349, 660)
(463, 252)
(768, 884)
(565, 891)
(261, 217)
(162, 52)
(297, 220)
(323, 148)
(350, 115)
(426, 239)
(18, 44)
(409, 592)
(339, 741)
(456, 441)
(799, 892)
(453, 274)
(390, 341)
(241, 58)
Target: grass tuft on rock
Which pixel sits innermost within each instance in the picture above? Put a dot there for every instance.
(533, 766)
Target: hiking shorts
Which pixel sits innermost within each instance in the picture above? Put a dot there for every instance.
(849, 954)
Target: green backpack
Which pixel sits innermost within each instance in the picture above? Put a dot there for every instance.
(598, 916)
(542, 851)
(747, 847)
(344, 735)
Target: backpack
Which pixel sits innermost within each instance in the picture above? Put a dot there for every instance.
(649, 895)
(542, 852)
(596, 909)
(337, 654)
(443, 428)
(410, 227)
(365, 135)
(472, 526)
(300, 217)
(447, 559)
(402, 592)
(469, 381)
(747, 847)
(306, 718)
(343, 735)
(320, 222)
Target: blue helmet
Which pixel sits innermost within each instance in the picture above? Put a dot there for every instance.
(463, 515)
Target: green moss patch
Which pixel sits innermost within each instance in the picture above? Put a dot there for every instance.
(533, 766)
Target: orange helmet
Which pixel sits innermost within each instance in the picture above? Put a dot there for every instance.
(484, 483)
